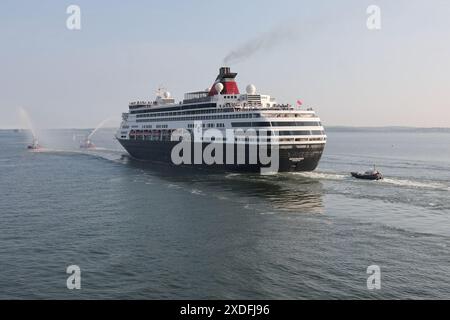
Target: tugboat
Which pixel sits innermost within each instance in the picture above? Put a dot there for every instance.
(34, 145)
(86, 144)
(368, 175)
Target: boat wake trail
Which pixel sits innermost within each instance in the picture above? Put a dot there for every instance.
(394, 181)
(321, 175)
(104, 153)
(415, 184)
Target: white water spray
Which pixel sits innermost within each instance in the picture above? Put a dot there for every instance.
(26, 122)
(99, 126)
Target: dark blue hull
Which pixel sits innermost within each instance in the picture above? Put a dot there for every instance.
(291, 157)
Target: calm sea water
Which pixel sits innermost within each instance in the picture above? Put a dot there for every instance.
(145, 231)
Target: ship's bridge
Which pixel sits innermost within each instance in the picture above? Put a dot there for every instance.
(162, 98)
(196, 96)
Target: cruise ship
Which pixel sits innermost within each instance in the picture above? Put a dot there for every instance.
(150, 130)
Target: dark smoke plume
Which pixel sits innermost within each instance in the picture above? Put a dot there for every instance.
(264, 42)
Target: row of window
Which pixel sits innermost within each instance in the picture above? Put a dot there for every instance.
(277, 124)
(209, 125)
(169, 131)
(301, 132)
(175, 108)
(289, 115)
(238, 124)
(217, 110)
(165, 137)
(296, 123)
(227, 116)
(254, 133)
(182, 113)
(250, 124)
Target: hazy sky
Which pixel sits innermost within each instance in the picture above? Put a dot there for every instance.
(321, 52)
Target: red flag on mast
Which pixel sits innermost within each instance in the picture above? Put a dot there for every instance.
(299, 102)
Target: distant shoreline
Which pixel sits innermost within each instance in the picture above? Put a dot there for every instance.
(386, 129)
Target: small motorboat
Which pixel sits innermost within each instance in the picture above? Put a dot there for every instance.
(368, 175)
